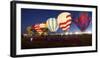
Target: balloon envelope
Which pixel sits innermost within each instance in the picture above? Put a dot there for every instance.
(83, 21)
(43, 25)
(52, 24)
(64, 20)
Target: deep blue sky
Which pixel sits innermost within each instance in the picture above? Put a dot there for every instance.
(35, 16)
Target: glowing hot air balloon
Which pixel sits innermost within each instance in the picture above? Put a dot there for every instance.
(38, 29)
(43, 25)
(64, 20)
(52, 24)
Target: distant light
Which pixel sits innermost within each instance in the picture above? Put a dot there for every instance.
(62, 34)
(89, 32)
(25, 35)
(31, 39)
(70, 33)
(77, 32)
(66, 33)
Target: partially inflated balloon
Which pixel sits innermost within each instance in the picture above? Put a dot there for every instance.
(43, 25)
(38, 29)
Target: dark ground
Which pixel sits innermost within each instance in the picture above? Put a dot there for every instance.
(51, 41)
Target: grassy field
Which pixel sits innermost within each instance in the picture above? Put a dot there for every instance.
(51, 41)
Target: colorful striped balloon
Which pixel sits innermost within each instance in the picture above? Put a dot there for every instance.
(43, 25)
(52, 24)
(37, 28)
(64, 20)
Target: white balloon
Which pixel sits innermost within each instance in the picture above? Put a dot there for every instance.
(52, 24)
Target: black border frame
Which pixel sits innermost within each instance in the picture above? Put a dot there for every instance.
(13, 27)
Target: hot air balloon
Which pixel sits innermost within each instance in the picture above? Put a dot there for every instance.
(83, 21)
(52, 24)
(38, 29)
(64, 20)
(43, 25)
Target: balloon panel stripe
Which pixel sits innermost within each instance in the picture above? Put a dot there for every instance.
(65, 22)
(55, 25)
(65, 26)
(68, 16)
(50, 24)
(52, 20)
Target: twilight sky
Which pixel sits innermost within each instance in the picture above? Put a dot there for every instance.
(35, 16)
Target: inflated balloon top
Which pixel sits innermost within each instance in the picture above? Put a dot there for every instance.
(52, 24)
(83, 21)
(64, 20)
